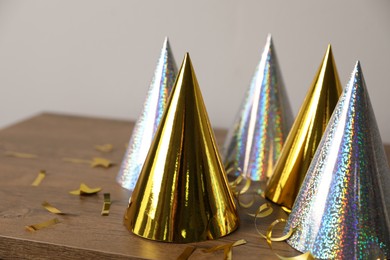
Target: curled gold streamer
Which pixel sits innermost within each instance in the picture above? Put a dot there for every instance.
(236, 181)
(246, 186)
(233, 185)
(304, 256)
(245, 205)
(106, 205)
(227, 248)
(186, 253)
(242, 204)
(21, 155)
(265, 210)
(41, 175)
(43, 224)
(269, 237)
(264, 207)
(231, 168)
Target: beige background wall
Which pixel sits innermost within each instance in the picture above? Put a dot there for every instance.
(97, 57)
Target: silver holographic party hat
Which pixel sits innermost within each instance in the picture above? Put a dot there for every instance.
(262, 125)
(146, 125)
(342, 209)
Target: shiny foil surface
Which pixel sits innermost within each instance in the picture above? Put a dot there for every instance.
(182, 194)
(146, 125)
(342, 209)
(257, 137)
(305, 134)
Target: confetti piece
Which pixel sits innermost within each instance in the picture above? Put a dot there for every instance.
(39, 178)
(101, 162)
(21, 155)
(51, 209)
(227, 248)
(95, 162)
(75, 160)
(106, 148)
(85, 190)
(106, 204)
(45, 224)
(186, 253)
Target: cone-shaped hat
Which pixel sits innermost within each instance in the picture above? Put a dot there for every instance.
(342, 210)
(146, 125)
(256, 139)
(182, 194)
(305, 134)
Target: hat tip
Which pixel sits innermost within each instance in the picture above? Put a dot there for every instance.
(329, 48)
(358, 66)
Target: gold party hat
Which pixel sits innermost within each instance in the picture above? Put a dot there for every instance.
(305, 134)
(182, 193)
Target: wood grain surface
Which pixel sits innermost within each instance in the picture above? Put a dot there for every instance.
(84, 233)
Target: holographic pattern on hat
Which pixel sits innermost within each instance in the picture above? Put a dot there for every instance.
(146, 125)
(342, 209)
(256, 139)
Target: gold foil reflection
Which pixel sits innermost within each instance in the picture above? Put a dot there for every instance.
(305, 134)
(182, 194)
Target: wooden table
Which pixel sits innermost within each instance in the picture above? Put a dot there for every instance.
(85, 233)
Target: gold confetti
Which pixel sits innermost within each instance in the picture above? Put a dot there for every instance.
(45, 224)
(85, 190)
(51, 209)
(102, 162)
(21, 155)
(106, 204)
(75, 160)
(39, 178)
(106, 148)
(95, 162)
(186, 253)
(227, 248)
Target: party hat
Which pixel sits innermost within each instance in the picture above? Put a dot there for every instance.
(342, 210)
(305, 134)
(182, 194)
(146, 125)
(261, 127)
